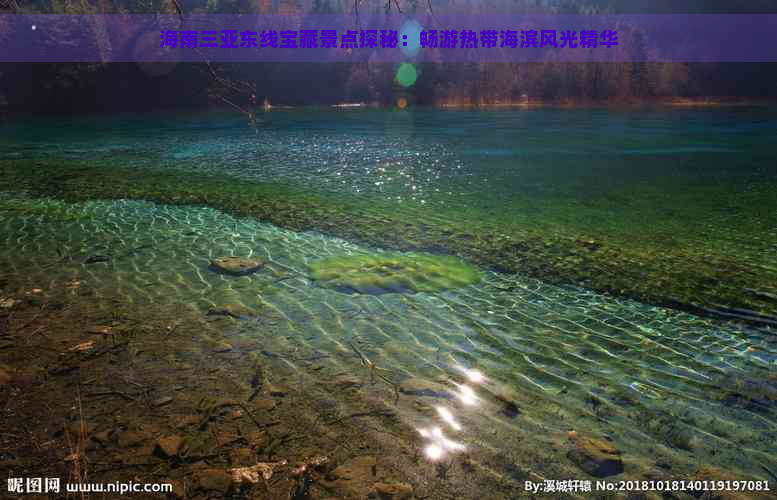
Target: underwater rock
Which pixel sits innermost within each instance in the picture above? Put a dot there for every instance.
(232, 310)
(354, 478)
(94, 259)
(8, 460)
(168, 446)
(221, 346)
(264, 404)
(392, 273)
(588, 243)
(356, 468)
(130, 439)
(251, 475)
(161, 401)
(241, 457)
(510, 409)
(258, 440)
(714, 474)
(213, 480)
(278, 391)
(424, 388)
(183, 421)
(8, 302)
(235, 266)
(506, 400)
(100, 330)
(5, 377)
(422, 407)
(247, 344)
(343, 382)
(596, 457)
(671, 431)
(83, 346)
(102, 437)
(399, 491)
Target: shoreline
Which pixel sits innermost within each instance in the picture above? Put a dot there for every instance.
(711, 102)
(679, 103)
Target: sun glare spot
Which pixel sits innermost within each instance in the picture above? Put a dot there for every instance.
(448, 417)
(452, 445)
(475, 376)
(434, 452)
(467, 396)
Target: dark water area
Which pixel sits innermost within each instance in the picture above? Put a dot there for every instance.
(544, 349)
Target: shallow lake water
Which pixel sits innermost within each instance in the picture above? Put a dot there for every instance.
(668, 176)
(511, 366)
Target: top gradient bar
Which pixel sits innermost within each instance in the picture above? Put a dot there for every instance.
(169, 38)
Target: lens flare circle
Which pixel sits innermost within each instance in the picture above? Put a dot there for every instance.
(406, 74)
(410, 38)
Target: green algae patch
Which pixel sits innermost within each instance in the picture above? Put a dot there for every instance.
(393, 273)
(47, 209)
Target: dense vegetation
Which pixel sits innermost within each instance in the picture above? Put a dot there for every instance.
(95, 87)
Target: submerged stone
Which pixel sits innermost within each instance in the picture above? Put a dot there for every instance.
(213, 480)
(242, 457)
(168, 446)
(393, 273)
(424, 388)
(129, 439)
(264, 404)
(161, 401)
(232, 310)
(278, 391)
(102, 437)
(235, 266)
(396, 491)
(708, 474)
(7, 303)
(95, 259)
(597, 457)
(222, 346)
(354, 479)
(510, 409)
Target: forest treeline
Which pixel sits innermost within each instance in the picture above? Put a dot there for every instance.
(119, 86)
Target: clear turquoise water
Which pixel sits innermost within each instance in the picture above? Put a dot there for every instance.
(662, 174)
(432, 156)
(571, 359)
